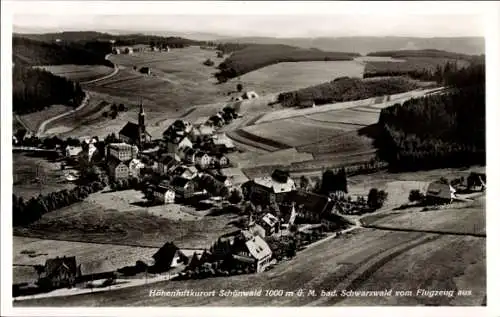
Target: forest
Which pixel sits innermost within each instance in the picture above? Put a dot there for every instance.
(36, 53)
(35, 89)
(441, 130)
(246, 58)
(346, 89)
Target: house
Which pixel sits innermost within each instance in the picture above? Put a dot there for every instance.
(184, 188)
(256, 229)
(439, 192)
(169, 256)
(301, 202)
(187, 154)
(201, 133)
(122, 151)
(117, 169)
(270, 223)
(220, 160)
(264, 190)
(252, 251)
(222, 140)
(188, 172)
(164, 194)
(166, 163)
(234, 175)
(59, 272)
(133, 133)
(250, 95)
(202, 159)
(116, 50)
(128, 50)
(72, 151)
(178, 127)
(176, 143)
(135, 167)
(195, 261)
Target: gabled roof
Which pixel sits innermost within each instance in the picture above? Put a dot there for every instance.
(276, 187)
(440, 190)
(179, 182)
(130, 130)
(52, 265)
(167, 253)
(310, 201)
(258, 248)
(113, 162)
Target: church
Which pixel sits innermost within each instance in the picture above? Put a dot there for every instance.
(135, 133)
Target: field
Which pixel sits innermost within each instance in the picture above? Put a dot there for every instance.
(292, 76)
(364, 260)
(116, 218)
(79, 73)
(29, 171)
(34, 120)
(94, 256)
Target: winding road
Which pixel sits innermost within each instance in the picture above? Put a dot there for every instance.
(41, 128)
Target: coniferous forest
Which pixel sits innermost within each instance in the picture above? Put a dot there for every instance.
(35, 89)
(440, 130)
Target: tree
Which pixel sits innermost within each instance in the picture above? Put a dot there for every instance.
(114, 114)
(114, 107)
(376, 198)
(121, 107)
(239, 87)
(415, 195)
(235, 196)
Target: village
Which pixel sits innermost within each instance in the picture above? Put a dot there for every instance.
(190, 166)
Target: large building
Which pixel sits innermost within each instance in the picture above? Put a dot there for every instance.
(122, 151)
(135, 133)
(264, 190)
(118, 170)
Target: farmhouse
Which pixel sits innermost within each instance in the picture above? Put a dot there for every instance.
(235, 175)
(59, 272)
(263, 190)
(308, 202)
(220, 160)
(164, 194)
(176, 143)
(252, 252)
(135, 133)
(122, 151)
(223, 141)
(169, 256)
(178, 127)
(201, 133)
(439, 192)
(118, 169)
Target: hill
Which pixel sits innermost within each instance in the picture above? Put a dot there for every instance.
(434, 53)
(366, 44)
(247, 58)
(36, 53)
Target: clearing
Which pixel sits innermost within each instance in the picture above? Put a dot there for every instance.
(34, 120)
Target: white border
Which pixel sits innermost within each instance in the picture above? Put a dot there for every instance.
(491, 12)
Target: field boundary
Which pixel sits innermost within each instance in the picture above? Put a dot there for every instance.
(441, 232)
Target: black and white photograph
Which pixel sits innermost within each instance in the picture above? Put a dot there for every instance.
(246, 154)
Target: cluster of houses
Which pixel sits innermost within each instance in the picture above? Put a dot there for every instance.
(138, 48)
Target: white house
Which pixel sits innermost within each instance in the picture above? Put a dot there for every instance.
(164, 194)
(72, 151)
(202, 159)
(175, 144)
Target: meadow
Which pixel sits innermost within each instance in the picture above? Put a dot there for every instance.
(34, 120)
(79, 73)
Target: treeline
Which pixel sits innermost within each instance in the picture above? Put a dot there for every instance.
(346, 89)
(36, 53)
(26, 212)
(438, 130)
(35, 89)
(253, 57)
(421, 53)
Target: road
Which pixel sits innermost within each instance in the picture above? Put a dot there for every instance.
(85, 101)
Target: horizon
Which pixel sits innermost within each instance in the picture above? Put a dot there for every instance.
(279, 26)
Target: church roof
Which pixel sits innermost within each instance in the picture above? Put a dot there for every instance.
(131, 130)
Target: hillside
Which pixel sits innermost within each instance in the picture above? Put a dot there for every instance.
(35, 53)
(366, 44)
(434, 53)
(247, 58)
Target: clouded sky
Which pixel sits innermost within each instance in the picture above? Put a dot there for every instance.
(384, 23)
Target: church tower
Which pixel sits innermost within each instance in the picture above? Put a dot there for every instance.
(142, 126)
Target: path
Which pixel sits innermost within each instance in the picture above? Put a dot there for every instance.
(84, 102)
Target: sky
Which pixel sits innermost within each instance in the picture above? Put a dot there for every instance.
(236, 22)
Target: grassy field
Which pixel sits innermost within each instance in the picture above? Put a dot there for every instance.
(293, 76)
(116, 218)
(34, 120)
(365, 260)
(79, 72)
(107, 257)
(27, 168)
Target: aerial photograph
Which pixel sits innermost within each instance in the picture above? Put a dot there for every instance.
(248, 160)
